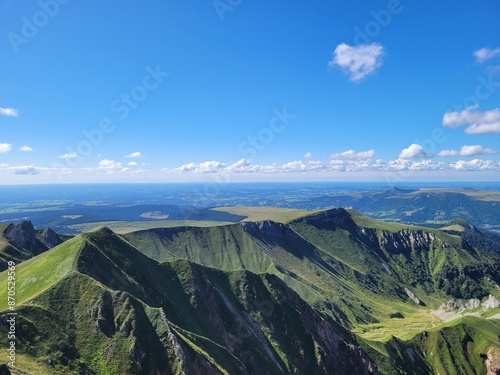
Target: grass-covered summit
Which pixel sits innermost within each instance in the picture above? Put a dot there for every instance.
(331, 292)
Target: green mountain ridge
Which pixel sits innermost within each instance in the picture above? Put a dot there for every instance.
(326, 293)
(150, 317)
(486, 241)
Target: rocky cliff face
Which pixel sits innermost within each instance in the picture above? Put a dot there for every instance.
(407, 240)
(50, 238)
(29, 242)
(23, 237)
(492, 361)
(19, 242)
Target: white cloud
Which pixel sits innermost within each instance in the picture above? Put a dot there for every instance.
(485, 54)
(475, 150)
(26, 148)
(186, 167)
(353, 155)
(357, 61)
(484, 128)
(413, 151)
(478, 122)
(136, 154)
(308, 155)
(476, 164)
(69, 155)
(5, 147)
(333, 167)
(9, 112)
(109, 164)
(206, 167)
(133, 163)
(242, 166)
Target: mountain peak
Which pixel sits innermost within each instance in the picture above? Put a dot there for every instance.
(334, 216)
(23, 237)
(397, 191)
(460, 225)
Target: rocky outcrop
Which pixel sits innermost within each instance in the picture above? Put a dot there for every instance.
(492, 361)
(407, 240)
(50, 238)
(26, 242)
(412, 296)
(23, 237)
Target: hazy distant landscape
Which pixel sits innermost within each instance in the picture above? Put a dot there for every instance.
(72, 209)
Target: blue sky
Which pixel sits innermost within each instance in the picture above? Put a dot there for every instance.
(238, 90)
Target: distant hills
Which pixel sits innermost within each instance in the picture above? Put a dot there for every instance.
(430, 207)
(419, 206)
(330, 292)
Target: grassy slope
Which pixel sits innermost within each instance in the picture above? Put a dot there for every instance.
(332, 267)
(104, 289)
(337, 269)
(40, 273)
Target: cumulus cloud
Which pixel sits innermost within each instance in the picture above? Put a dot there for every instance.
(133, 163)
(206, 167)
(5, 147)
(12, 112)
(334, 166)
(69, 155)
(109, 164)
(413, 151)
(353, 155)
(25, 148)
(136, 154)
(475, 150)
(477, 122)
(357, 61)
(308, 155)
(476, 165)
(485, 54)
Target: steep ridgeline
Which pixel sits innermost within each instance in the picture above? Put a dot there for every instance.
(99, 306)
(484, 240)
(379, 280)
(21, 241)
(334, 292)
